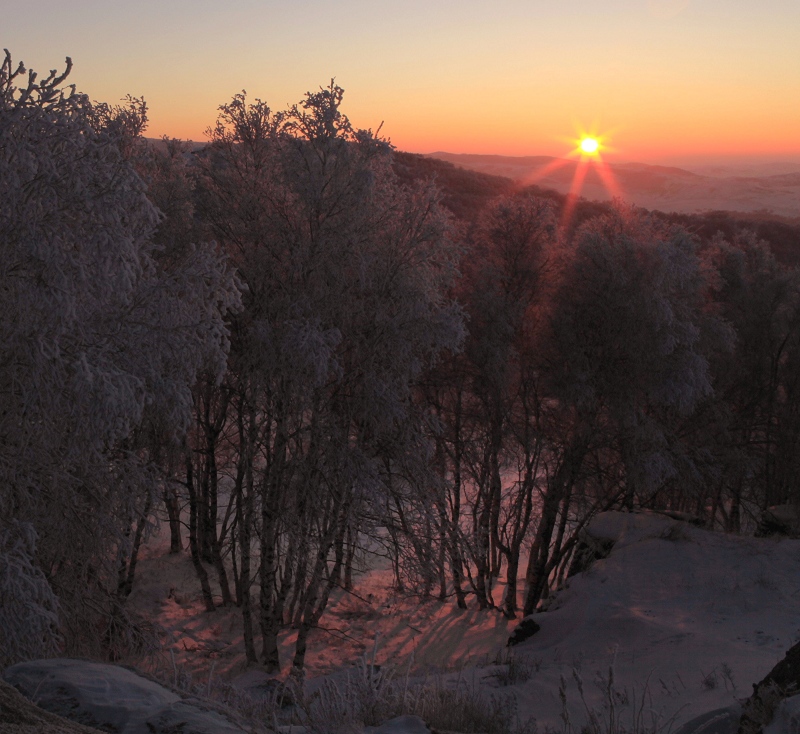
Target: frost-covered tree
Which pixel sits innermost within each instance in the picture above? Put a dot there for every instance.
(628, 329)
(487, 398)
(346, 274)
(96, 336)
(752, 428)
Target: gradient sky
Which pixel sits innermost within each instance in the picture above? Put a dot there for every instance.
(662, 79)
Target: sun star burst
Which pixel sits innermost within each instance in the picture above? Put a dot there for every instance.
(590, 146)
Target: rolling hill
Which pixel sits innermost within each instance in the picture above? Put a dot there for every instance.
(664, 188)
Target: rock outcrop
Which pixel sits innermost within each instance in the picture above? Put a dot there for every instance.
(19, 716)
(526, 629)
(779, 520)
(718, 721)
(110, 698)
(782, 682)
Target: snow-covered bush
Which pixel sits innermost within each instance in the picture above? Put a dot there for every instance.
(28, 607)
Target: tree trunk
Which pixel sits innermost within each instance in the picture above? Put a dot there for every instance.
(557, 489)
(268, 573)
(350, 556)
(317, 596)
(244, 508)
(510, 600)
(173, 508)
(197, 562)
(309, 612)
(454, 523)
(137, 543)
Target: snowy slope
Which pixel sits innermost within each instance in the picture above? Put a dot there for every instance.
(695, 617)
(688, 616)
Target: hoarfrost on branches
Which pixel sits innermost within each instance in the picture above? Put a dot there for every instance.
(95, 335)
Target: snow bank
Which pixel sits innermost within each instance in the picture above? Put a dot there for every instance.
(625, 528)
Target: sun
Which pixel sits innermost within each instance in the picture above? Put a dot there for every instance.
(588, 149)
(587, 156)
(589, 146)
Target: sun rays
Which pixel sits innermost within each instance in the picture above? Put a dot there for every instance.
(587, 153)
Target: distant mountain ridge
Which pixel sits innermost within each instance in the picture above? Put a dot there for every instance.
(665, 188)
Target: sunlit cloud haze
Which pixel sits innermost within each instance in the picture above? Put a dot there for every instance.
(662, 79)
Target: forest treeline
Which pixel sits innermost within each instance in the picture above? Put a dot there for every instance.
(288, 348)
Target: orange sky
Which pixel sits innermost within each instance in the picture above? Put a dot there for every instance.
(661, 78)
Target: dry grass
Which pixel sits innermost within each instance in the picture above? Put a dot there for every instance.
(621, 710)
(372, 695)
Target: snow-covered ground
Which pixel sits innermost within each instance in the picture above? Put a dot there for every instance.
(687, 617)
(695, 617)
